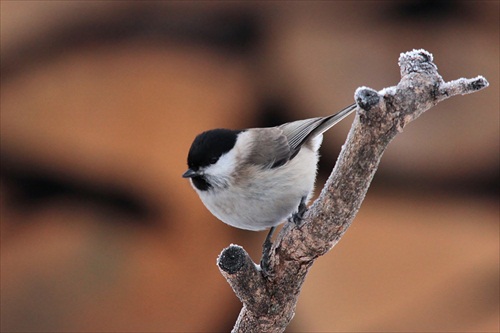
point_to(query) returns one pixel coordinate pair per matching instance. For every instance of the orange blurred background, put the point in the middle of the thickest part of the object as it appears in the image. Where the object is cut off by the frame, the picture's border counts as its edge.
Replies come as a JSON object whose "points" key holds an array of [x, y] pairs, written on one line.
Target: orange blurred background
{"points": [[100, 102]]}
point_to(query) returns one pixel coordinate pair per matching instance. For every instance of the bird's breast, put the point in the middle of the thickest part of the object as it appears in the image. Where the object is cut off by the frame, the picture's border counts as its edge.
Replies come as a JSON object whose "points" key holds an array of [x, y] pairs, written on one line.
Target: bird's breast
{"points": [[263, 198]]}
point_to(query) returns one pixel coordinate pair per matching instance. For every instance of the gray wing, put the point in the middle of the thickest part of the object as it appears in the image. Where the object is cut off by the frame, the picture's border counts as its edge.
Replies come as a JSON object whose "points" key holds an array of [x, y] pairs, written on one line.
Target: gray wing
{"points": [[270, 148], [298, 132], [273, 147]]}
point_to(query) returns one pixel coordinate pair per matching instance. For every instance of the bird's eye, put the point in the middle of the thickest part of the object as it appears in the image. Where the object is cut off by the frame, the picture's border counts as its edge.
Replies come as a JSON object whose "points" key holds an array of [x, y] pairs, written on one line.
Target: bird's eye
{"points": [[213, 160]]}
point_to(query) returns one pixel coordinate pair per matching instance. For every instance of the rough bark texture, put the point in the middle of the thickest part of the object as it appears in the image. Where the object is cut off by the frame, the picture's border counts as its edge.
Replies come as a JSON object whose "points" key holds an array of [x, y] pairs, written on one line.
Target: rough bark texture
{"points": [[269, 303]]}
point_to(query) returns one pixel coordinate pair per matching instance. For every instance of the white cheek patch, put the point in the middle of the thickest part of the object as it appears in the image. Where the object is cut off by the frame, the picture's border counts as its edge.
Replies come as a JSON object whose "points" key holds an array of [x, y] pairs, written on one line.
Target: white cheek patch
{"points": [[219, 174]]}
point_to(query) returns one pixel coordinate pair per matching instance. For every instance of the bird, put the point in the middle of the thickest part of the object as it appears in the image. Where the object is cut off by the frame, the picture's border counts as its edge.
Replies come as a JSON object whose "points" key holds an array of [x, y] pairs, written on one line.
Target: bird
{"points": [[257, 178]]}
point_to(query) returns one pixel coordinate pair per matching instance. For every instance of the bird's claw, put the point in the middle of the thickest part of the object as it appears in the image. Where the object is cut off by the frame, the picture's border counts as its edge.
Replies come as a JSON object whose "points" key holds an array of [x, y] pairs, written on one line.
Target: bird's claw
{"points": [[298, 217], [266, 254]]}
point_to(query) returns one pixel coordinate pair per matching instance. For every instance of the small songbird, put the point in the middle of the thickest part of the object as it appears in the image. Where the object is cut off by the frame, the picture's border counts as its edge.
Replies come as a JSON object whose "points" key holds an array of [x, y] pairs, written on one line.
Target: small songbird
{"points": [[256, 178]]}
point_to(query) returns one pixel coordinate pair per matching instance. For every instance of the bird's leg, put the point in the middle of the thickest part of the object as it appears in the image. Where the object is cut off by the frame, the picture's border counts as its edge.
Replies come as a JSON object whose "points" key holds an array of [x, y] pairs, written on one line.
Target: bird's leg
{"points": [[297, 217], [266, 252]]}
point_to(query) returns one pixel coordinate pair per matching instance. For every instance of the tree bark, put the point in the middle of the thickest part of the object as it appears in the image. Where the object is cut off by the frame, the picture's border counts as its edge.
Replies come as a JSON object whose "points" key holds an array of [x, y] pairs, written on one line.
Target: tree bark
{"points": [[269, 302]]}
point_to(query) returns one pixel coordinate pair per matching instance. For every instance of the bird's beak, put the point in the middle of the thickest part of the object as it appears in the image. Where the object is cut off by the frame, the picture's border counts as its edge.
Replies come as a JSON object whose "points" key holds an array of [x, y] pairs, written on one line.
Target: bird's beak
{"points": [[189, 174]]}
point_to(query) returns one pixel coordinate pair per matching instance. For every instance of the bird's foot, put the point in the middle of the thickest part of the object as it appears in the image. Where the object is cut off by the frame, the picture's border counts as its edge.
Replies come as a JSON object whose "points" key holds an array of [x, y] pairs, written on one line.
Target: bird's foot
{"points": [[298, 217], [266, 253]]}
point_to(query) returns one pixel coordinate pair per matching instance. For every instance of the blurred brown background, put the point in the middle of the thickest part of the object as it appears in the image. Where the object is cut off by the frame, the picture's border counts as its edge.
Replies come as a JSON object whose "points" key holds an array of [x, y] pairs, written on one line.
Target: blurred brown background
{"points": [[100, 102]]}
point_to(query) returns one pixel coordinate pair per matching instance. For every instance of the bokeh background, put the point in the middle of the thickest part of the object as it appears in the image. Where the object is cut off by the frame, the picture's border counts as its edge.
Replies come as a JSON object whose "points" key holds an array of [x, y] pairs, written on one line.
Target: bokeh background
{"points": [[100, 102]]}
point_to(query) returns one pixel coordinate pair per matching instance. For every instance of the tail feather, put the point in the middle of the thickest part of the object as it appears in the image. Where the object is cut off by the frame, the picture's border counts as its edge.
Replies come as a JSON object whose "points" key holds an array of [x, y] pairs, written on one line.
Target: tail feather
{"points": [[300, 131], [330, 121]]}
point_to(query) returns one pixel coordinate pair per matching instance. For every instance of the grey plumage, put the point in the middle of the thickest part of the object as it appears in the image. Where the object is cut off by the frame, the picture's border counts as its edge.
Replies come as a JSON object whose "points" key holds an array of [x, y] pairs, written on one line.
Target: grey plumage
{"points": [[275, 146]]}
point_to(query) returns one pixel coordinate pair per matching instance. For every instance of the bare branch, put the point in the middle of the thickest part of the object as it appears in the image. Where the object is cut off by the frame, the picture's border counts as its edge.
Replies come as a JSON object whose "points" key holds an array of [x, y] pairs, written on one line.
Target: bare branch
{"points": [[269, 303]]}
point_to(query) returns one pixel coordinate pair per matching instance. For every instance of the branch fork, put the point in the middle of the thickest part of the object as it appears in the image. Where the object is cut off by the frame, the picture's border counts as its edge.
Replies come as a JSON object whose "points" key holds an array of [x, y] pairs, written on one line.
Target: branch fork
{"points": [[269, 303]]}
